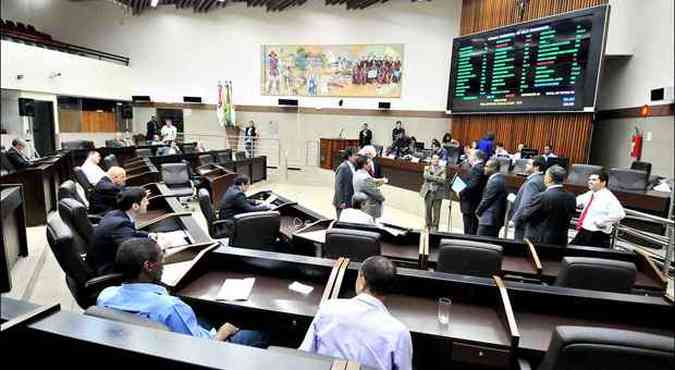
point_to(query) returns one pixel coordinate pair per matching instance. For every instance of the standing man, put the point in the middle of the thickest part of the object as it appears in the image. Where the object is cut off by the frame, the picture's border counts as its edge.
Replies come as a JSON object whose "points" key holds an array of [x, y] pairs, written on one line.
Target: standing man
{"points": [[398, 132], [492, 207], [433, 191], [531, 187], [549, 213], [249, 138], [365, 136], [472, 193], [601, 209], [168, 132], [16, 156], [361, 329], [487, 144], [151, 128], [344, 187]]}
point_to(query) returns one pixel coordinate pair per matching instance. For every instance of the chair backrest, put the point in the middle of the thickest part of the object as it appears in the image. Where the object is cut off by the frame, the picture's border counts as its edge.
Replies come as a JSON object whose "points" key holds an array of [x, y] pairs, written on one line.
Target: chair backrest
{"points": [[504, 164], [125, 317], [205, 159], [356, 245], [68, 189], [77, 144], [453, 153], [175, 174], [596, 274], [110, 160], [206, 206], [82, 179], [627, 180], [579, 173], [189, 148], [469, 258], [642, 166], [69, 254], [144, 152], [225, 156], [74, 215], [5, 164], [110, 143], [256, 230], [592, 348], [240, 156], [520, 165]]}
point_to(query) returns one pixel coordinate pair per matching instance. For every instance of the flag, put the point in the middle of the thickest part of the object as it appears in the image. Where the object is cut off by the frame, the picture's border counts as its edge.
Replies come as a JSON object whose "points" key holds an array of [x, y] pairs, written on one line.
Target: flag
{"points": [[225, 108]]}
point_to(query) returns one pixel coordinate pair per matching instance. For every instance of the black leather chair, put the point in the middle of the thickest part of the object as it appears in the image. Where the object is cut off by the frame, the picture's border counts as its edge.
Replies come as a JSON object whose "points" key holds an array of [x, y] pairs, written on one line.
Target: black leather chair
{"points": [[218, 229], [74, 215], [469, 258], [642, 166], [110, 160], [205, 159], [579, 173], [593, 348], [77, 144], [356, 245], [453, 153], [240, 156], [256, 230], [125, 317], [68, 189], [225, 156], [81, 179], [176, 176], [144, 152], [71, 254], [5, 165], [625, 179], [596, 274]]}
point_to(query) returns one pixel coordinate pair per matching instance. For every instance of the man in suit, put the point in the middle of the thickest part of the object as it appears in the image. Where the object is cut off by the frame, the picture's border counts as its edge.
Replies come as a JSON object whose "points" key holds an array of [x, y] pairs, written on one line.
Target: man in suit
{"points": [[492, 208], [16, 156], [364, 183], [365, 136], [434, 190], [549, 213], [344, 188], [104, 198], [472, 193], [531, 187], [249, 139], [117, 227], [152, 129], [234, 200]]}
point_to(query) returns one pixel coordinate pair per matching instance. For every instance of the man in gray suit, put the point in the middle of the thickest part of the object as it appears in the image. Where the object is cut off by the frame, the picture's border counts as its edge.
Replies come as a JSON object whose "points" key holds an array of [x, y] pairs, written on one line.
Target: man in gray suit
{"points": [[531, 187], [344, 188], [364, 183], [434, 190], [492, 207]]}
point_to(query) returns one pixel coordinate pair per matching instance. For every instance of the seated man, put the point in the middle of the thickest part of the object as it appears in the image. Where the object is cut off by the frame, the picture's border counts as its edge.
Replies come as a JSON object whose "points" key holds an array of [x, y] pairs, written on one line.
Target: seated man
{"points": [[361, 329], [355, 215], [140, 261], [117, 227], [16, 155], [104, 198], [91, 169], [234, 200]]}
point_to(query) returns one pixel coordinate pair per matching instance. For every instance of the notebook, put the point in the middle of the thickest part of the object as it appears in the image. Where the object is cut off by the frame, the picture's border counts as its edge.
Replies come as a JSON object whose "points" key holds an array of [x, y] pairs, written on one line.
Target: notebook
{"points": [[235, 289]]}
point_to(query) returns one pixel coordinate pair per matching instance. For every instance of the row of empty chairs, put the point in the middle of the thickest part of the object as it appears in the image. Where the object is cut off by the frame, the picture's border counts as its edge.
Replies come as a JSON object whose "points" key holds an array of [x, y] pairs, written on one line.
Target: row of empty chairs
{"points": [[11, 27]]}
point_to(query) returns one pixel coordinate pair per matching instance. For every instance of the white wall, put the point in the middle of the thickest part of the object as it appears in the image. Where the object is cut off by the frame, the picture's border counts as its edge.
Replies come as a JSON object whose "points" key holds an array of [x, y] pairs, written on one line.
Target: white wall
{"points": [[176, 52], [627, 81]]}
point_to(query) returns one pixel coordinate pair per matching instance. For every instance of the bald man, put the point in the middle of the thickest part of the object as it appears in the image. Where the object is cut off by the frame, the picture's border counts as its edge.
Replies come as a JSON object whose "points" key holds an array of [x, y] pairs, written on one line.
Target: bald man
{"points": [[104, 198]]}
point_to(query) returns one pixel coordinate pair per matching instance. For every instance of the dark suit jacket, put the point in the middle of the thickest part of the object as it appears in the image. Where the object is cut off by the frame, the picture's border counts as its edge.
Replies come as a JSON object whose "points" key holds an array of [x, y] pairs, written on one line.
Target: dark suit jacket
{"points": [[152, 129], [344, 187], [472, 194], [377, 169], [492, 207], [548, 216], [115, 228], [234, 202], [104, 197], [16, 159], [531, 187], [365, 137]]}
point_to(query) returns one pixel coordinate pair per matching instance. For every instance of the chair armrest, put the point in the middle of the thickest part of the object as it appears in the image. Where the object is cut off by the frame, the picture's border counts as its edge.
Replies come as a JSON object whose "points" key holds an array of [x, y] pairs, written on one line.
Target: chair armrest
{"points": [[220, 222], [284, 205], [100, 282], [95, 219], [522, 364], [162, 218]]}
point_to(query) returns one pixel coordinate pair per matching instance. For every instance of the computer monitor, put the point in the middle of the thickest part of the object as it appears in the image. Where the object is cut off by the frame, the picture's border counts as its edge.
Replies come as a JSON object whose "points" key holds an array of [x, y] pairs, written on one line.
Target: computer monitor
{"points": [[625, 179], [528, 153]]}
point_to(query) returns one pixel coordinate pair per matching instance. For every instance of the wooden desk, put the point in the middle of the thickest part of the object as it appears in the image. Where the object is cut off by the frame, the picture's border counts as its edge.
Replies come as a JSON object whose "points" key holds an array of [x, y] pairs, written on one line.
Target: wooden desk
{"points": [[14, 242], [293, 216], [329, 149]]}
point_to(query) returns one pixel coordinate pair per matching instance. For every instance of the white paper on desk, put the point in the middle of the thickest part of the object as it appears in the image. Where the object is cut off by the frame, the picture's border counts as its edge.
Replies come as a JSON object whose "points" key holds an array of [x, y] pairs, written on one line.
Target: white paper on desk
{"points": [[235, 289], [300, 288], [173, 239], [458, 185]]}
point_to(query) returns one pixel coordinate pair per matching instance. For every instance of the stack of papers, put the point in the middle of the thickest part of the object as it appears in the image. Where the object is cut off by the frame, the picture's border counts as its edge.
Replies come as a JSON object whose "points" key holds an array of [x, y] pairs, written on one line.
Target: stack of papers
{"points": [[173, 239], [458, 185], [301, 288], [235, 289]]}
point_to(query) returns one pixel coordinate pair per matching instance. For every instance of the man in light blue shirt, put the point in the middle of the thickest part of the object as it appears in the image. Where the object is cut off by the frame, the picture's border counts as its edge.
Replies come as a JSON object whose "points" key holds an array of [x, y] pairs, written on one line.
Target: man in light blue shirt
{"points": [[361, 329], [140, 261]]}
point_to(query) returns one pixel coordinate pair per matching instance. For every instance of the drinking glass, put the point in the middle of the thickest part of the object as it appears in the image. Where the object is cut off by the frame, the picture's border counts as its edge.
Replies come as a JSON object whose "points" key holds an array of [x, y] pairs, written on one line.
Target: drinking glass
{"points": [[444, 310]]}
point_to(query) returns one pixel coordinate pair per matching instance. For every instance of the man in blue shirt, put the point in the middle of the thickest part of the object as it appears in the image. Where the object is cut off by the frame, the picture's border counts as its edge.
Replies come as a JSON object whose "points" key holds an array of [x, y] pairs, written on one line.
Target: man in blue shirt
{"points": [[487, 144], [140, 261], [361, 329]]}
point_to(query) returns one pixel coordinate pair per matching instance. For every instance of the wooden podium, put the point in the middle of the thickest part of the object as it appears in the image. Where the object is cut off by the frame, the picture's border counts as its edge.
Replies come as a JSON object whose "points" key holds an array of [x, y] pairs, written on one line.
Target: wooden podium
{"points": [[329, 148]]}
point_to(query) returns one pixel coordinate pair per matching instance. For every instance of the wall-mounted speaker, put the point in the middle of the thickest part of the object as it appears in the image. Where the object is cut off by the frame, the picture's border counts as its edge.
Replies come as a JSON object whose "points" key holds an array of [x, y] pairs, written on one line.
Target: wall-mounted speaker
{"points": [[289, 102], [127, 111], [192, 99], [140, 98], [26, 107], [384, 105]]}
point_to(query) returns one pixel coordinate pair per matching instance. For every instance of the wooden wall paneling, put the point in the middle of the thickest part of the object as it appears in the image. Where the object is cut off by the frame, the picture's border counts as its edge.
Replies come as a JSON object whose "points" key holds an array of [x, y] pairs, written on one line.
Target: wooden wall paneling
{"points": [[69, 120], [98, 122]]}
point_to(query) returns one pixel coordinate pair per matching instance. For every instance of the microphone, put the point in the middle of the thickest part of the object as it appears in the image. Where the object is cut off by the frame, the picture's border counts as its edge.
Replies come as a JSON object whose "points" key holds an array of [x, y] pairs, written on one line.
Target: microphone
{"points": [[341, 131]]}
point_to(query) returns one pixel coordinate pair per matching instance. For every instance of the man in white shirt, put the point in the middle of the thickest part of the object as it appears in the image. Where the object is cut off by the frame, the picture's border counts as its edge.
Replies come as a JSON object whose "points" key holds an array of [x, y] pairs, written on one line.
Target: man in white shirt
{"points": [[601, 210], [548, 152], [355, 215], [168, 132], [91, 169], [361, 329]]}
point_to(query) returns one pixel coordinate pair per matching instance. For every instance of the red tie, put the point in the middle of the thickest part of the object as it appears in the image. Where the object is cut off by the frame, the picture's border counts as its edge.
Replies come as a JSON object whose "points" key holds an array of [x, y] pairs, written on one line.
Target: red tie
{"points": [[583, 214]]}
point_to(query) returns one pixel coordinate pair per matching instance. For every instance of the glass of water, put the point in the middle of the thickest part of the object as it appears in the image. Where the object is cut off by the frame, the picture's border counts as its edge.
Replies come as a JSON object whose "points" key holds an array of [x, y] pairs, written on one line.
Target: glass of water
{"points": [[444, 310]]}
